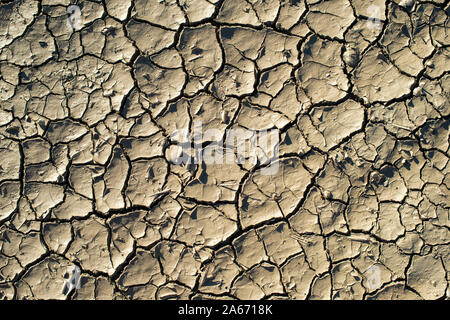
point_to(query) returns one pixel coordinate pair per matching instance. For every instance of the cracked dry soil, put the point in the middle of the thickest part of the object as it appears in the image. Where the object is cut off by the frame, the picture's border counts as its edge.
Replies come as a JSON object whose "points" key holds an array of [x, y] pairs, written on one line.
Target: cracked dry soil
{"points": [[359, 208]]}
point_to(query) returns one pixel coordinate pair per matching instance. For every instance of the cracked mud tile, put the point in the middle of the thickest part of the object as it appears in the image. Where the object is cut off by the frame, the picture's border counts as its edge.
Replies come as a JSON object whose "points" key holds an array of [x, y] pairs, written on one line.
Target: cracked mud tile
{"points": [[264, 198], [258, 282], [90, 247], [338, 14], [201, 54], [322, 76], [204, 226], [219, 274], [297, 277], [44, 280]]}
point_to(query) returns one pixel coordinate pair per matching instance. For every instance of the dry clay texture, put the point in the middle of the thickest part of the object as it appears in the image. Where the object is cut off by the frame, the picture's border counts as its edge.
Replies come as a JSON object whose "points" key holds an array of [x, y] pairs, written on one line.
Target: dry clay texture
{"points": [[359, 206]]}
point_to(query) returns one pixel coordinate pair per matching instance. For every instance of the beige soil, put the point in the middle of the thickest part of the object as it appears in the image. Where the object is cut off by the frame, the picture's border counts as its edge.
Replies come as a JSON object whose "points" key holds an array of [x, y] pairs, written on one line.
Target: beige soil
{"points": [[358, 209]]}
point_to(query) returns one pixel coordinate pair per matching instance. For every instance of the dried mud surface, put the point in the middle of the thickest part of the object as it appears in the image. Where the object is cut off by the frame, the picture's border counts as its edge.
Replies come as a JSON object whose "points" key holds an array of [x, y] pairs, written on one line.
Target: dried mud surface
{"points": [[361, 105]]}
